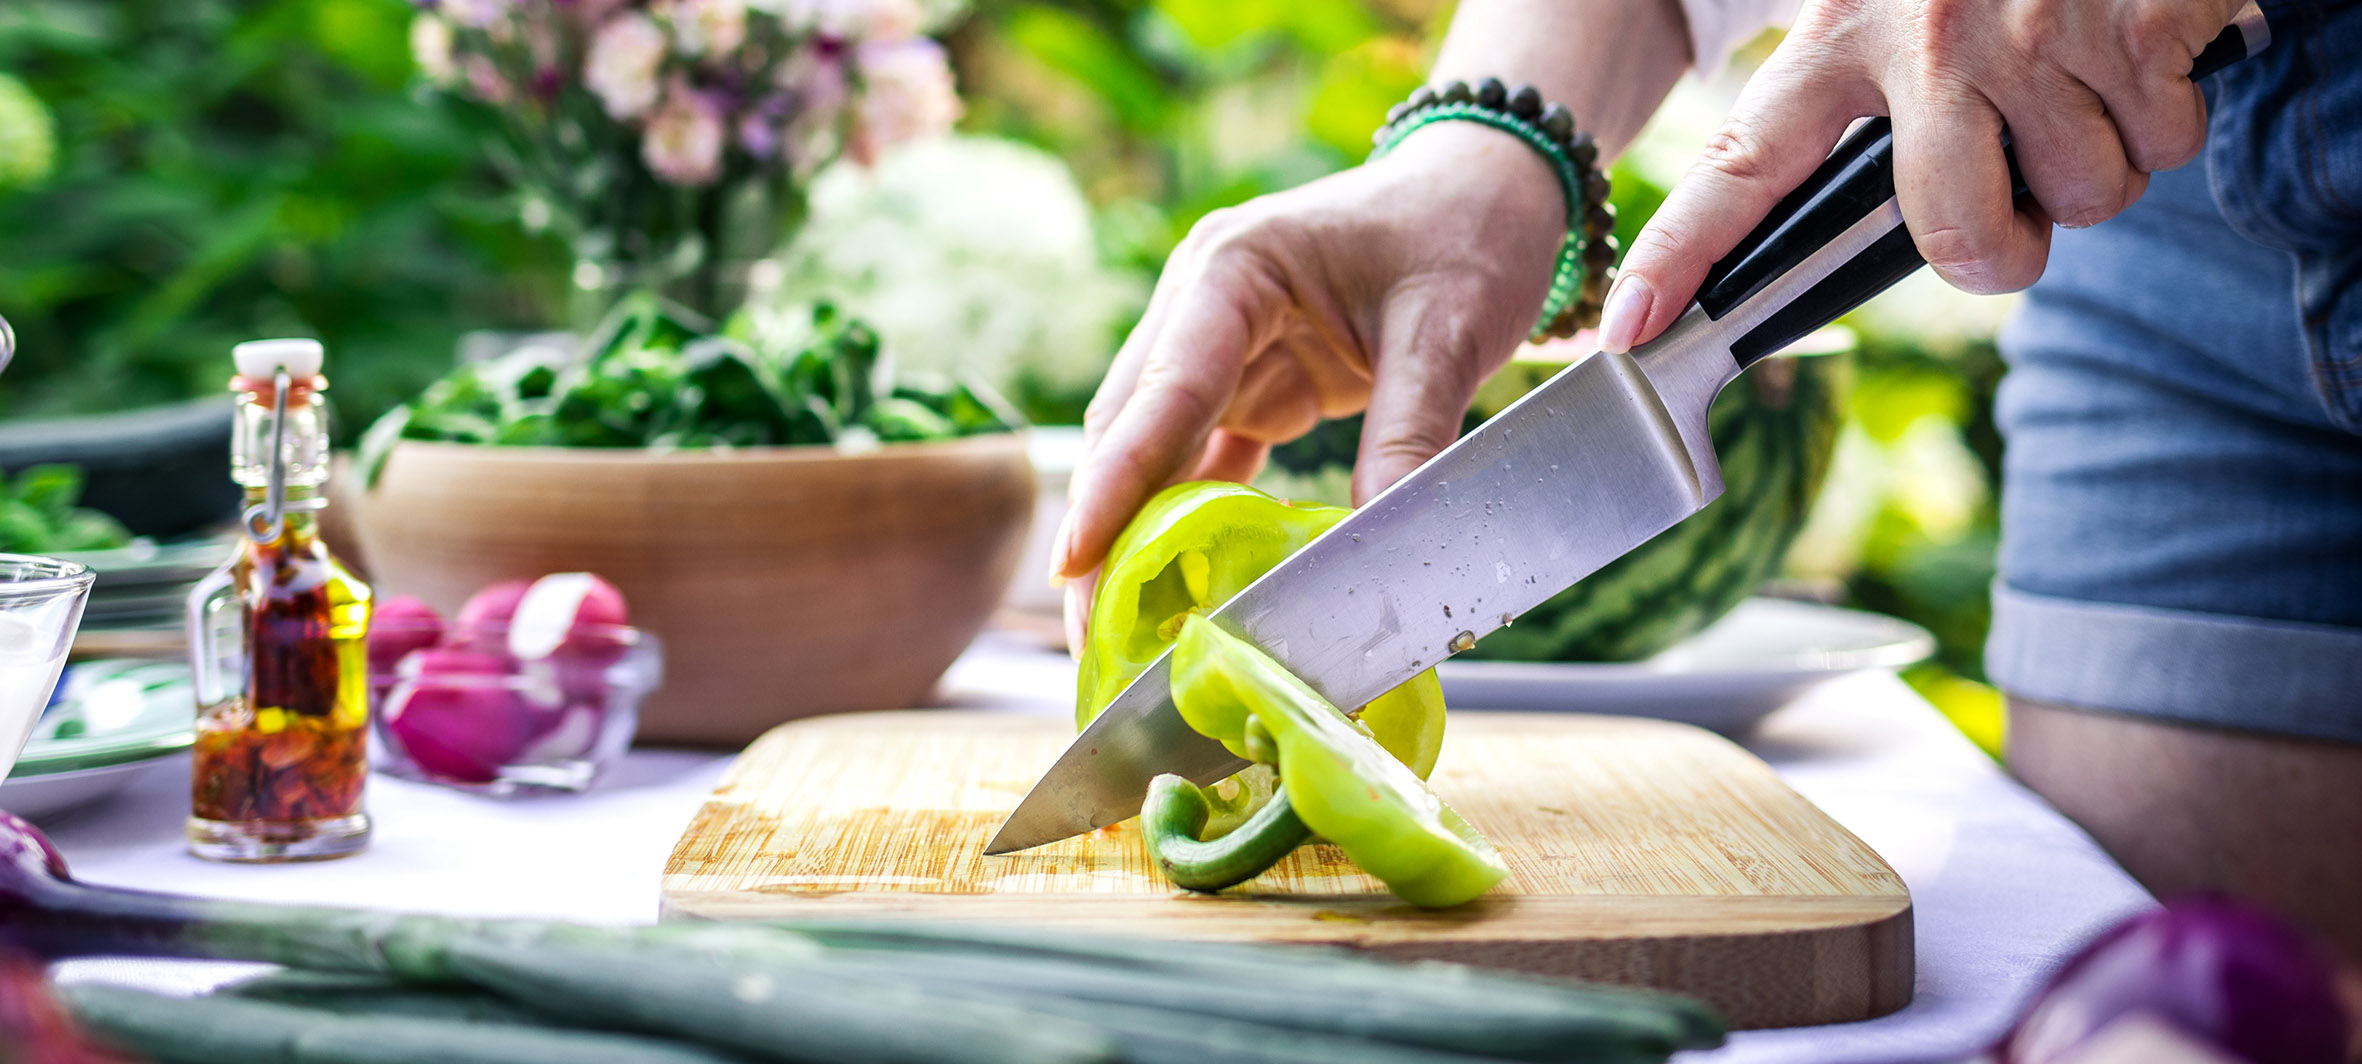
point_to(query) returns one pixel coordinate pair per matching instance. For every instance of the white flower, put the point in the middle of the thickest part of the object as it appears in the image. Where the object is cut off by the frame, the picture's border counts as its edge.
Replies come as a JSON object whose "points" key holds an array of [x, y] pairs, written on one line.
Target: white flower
{"points": [[430, 45], [710, 27], [683, 143], [967, 255], [795, 16], [625, 58], [906, 94]]}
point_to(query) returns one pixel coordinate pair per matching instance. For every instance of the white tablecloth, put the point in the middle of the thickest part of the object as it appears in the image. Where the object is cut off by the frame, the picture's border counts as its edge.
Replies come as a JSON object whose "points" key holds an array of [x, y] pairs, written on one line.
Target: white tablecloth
{"points": [[2002, 886]]}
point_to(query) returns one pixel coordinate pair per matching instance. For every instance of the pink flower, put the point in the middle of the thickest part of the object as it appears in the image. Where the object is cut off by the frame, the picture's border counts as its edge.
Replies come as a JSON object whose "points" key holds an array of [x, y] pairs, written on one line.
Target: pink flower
{"points": [[625, 58], [883, 21], [814, 81], [759, 127], [485, 79], [683, 143], [906, 94], [475, 14]]}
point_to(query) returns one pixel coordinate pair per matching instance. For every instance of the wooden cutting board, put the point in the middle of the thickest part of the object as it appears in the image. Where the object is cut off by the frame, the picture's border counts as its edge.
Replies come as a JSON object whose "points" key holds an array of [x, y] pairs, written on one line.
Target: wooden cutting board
{"points": [[1640, 852]]}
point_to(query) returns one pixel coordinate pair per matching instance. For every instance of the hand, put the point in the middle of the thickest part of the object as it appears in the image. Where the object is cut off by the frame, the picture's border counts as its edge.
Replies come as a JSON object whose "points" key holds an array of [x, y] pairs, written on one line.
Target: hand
{"points": [[1394, 288], [2095, 93]]}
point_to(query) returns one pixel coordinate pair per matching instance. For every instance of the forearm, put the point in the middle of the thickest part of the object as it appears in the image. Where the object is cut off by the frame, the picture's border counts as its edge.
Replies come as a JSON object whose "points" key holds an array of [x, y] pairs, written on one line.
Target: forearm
{"points": [[1609, 61]]}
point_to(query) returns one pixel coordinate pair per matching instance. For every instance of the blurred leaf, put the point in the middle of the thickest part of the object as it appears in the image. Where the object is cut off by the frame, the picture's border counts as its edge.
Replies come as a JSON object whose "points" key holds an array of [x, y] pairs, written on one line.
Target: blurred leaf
{"points": [[1356, 87], [1888, 403], [1976, 709], [1080, 50]]}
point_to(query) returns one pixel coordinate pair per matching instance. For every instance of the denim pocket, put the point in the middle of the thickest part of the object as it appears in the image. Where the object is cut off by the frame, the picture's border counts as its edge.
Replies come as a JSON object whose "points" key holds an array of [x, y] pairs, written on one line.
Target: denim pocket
{"points": [[2284, 150]]}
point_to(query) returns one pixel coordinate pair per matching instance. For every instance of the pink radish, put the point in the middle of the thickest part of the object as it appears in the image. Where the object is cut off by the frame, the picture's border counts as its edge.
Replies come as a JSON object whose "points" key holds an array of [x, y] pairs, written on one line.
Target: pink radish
{"points": [[454, 716]]}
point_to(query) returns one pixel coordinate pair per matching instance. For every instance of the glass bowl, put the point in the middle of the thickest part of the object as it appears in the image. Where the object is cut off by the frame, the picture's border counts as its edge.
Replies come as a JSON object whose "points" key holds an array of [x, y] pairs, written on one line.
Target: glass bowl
{"points": [[40, 607], [502, 712]]}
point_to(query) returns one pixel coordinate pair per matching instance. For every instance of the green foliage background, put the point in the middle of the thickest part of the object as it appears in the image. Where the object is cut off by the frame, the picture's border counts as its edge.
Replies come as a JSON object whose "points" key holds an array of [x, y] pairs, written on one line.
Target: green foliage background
{"points": [[225, 169]]}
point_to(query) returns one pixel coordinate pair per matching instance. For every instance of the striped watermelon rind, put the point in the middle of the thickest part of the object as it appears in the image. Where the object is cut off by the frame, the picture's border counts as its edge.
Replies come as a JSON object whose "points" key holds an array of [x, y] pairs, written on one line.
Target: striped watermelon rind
{"points": [[1774, 430]]}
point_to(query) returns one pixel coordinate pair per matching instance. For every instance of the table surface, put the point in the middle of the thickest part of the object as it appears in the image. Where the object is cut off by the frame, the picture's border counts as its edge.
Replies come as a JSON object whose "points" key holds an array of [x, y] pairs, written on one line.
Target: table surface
{"points": [[2003, 887]]}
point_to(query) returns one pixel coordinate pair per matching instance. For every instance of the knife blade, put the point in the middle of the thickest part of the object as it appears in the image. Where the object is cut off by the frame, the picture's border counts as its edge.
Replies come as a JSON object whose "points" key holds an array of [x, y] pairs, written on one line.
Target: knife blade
{"points": [[1599, 459]]}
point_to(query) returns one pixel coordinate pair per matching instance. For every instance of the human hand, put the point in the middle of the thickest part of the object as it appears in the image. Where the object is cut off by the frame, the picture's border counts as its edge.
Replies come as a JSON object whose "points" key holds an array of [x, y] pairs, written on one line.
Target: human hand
{"points": [[2095, 93], [1394, 288]]}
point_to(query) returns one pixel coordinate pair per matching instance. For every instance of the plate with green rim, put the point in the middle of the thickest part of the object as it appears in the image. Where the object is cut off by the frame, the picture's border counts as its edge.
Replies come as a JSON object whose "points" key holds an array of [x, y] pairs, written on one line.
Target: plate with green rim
{"points": [[109, 719]]}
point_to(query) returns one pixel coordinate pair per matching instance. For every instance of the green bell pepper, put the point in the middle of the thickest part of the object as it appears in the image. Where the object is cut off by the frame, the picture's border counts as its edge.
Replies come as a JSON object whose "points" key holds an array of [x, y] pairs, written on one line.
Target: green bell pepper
{"points": [[1333, 773], [1190, 549]]}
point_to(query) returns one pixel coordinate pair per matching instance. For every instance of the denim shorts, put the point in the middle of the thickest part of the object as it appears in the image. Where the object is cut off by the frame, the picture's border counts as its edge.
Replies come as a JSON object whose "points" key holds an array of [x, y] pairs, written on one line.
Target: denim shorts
{"points": [[2182, 483]]}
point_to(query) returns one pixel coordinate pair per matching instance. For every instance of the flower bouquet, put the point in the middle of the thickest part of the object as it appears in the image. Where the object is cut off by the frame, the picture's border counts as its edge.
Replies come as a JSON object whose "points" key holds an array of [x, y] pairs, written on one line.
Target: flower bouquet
{"points": [[669, 141]]}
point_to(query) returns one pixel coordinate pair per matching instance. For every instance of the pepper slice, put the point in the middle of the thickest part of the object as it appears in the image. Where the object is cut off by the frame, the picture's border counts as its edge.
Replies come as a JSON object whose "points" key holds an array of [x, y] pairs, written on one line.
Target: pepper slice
{"points": [[1190, 549], [1341, 783]]}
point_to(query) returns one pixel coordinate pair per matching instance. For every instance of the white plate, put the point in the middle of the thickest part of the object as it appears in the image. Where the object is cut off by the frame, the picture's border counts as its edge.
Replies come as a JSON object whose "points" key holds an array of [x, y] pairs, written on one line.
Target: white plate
{"points": [[109, 721], [38, 798], [1759, 657]]}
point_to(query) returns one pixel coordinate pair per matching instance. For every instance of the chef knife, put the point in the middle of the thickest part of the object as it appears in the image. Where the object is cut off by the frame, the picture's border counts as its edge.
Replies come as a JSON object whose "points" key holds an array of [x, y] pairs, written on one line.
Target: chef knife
{"points": [[1596, 461]]}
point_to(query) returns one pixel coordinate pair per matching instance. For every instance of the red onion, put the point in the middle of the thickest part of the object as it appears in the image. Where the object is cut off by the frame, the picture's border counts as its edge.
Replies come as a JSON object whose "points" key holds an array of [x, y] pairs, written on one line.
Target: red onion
{"points": [[493, 606], [454, 715], [568, 621], [398, 626], [2223, 972], [34, 1029], [567, 734]]}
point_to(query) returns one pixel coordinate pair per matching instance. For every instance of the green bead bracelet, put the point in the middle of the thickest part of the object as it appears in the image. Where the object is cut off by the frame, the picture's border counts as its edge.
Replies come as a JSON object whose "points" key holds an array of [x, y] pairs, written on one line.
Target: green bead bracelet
{"points": [[1578, 282]]}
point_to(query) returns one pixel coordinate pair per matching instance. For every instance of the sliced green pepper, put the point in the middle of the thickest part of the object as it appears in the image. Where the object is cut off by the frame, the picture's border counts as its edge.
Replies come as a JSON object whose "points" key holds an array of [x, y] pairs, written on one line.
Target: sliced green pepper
{"points": [[1175, 817], [1339, 780], [1190, 549]]}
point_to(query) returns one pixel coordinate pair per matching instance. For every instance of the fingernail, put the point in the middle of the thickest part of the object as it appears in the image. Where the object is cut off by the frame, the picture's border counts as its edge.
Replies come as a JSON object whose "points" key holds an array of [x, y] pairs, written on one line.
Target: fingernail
{"points": [[1058, 548], [1626, 311], [1076, 623]]}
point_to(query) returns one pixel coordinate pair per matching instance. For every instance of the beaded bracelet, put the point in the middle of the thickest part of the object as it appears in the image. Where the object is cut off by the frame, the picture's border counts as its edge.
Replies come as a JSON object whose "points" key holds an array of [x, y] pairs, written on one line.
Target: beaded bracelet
{"points": [[1586, 260]]}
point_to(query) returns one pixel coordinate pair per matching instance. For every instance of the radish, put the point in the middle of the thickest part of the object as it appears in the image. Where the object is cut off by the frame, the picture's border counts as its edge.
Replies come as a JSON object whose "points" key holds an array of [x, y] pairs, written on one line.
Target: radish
{"points": [[564, 630], [398, 626], [453, 715], [492, 606]]}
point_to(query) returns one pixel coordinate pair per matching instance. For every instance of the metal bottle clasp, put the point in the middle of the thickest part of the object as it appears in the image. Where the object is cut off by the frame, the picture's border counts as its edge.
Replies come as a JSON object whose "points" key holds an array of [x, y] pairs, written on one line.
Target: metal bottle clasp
{"points": [[265, 522]]}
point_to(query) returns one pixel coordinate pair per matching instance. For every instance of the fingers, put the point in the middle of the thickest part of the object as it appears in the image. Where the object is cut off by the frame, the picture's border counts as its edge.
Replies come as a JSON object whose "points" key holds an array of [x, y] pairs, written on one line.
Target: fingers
{"points": [[1952, 183], [1430, 361], [1230, 456], [2071, 156], [2142, 72], [1782, 126], [1187, 376], [2163, 125]]}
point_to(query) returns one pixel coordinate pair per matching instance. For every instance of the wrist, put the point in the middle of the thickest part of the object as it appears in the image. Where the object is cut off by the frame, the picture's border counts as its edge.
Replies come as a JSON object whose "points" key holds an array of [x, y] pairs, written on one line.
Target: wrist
{"points": [[1495, 167]]}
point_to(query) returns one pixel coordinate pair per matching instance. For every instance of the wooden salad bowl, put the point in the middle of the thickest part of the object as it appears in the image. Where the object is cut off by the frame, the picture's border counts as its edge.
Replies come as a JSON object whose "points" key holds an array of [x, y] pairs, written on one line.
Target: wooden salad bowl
{"points": [[782, 581]]}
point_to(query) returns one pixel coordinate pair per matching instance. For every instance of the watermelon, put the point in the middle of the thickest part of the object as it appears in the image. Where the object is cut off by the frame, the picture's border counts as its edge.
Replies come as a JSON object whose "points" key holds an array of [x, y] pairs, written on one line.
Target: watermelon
{"points": [[1773, 428]]}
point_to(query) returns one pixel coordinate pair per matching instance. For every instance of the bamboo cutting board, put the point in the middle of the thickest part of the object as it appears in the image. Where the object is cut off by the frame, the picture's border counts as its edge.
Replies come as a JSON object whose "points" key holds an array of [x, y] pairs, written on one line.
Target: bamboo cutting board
{"points": [[1640, 852]]}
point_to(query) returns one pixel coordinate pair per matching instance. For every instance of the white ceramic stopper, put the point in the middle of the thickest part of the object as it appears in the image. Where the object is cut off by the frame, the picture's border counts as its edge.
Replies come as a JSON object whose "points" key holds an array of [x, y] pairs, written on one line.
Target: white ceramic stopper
{"points": [[258, 359]]}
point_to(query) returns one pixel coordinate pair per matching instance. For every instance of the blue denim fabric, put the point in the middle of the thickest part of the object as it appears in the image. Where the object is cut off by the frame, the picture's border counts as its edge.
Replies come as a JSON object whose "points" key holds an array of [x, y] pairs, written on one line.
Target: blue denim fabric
{"points": [[2182, 494]]}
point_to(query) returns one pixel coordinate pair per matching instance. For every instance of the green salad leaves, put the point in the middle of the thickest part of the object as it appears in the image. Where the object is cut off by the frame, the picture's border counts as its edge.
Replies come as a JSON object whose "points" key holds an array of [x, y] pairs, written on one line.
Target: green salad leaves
{"points": [[39, 515], [649, 376]]}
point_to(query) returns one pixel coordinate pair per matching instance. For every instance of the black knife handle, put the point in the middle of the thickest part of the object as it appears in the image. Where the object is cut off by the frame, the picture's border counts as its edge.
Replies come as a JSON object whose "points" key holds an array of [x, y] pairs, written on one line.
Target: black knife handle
{"points": [[1856, 179]]}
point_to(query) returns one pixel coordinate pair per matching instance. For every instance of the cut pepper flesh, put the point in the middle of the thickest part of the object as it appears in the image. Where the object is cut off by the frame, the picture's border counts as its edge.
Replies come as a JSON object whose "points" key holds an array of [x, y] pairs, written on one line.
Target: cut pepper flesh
{"points": [[1343, 785], [1190, 549]]}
